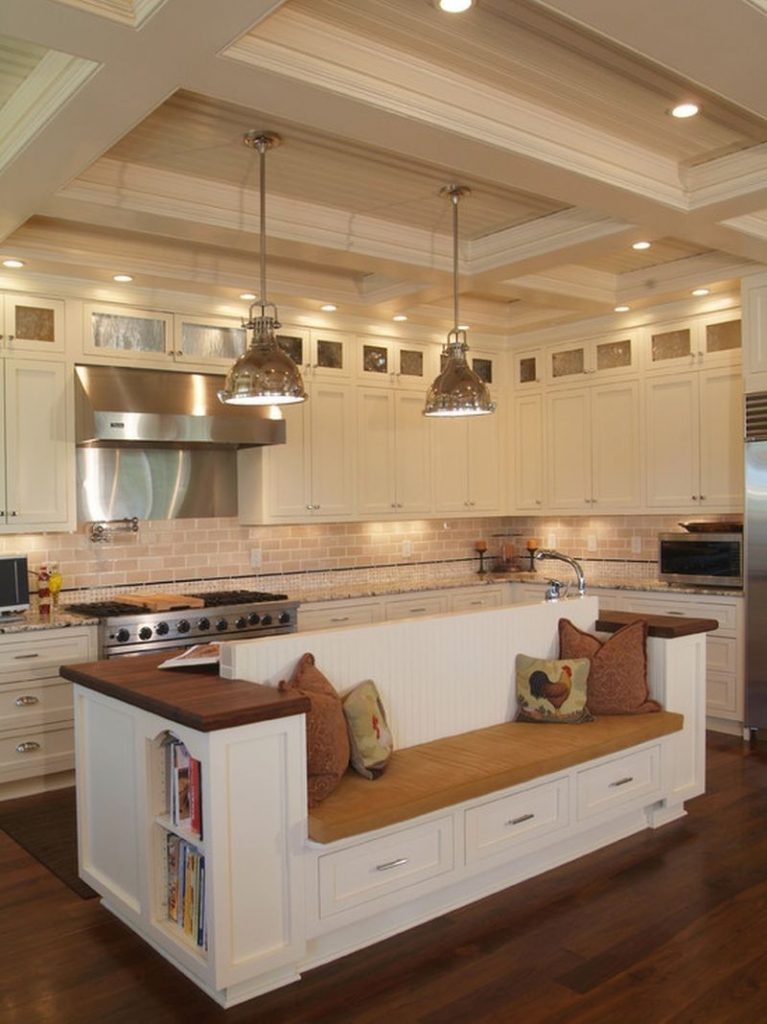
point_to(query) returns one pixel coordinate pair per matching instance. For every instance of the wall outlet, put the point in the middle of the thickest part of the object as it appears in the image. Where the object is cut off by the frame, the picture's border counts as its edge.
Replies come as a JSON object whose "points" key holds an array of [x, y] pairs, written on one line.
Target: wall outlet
{"points": [[591, 542], [636, 545], [255, 558], [407, 548]]}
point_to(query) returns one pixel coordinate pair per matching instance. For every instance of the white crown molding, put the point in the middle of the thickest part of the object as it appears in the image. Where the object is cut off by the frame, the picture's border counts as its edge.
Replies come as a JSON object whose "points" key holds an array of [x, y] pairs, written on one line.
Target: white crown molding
{"points": [[727, 178], [538, 237], [52, 82], [127, 12], [418, 90], [753, 224]]}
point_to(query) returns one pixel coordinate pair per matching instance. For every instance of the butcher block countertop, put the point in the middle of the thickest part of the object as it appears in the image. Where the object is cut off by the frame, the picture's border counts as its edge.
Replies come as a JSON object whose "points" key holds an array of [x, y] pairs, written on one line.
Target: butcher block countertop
{"points": [[195, 696], [667, 627]]}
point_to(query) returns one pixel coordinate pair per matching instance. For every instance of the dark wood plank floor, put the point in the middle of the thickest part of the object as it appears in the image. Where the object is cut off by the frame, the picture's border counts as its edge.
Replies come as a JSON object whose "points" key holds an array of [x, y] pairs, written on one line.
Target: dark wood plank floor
{"points": [[667, 926]]}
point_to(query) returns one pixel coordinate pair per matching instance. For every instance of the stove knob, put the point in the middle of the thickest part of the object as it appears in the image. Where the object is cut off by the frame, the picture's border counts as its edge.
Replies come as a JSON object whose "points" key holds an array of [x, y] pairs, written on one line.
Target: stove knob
{"points": [[145, 633], [266, 620], [241, 623], [254, 619], [203, 624], [162, 628], [123, 635], [221, 625], [183, 626], [284, 618]]}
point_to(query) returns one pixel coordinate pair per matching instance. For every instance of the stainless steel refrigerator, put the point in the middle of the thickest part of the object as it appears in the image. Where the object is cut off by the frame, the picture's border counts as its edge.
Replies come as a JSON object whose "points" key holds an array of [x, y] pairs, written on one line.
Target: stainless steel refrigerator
{"points": [[755, 561]]}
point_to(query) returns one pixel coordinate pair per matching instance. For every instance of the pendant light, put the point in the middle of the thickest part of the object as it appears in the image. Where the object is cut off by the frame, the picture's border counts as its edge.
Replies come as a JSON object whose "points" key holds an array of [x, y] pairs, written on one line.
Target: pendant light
{"points": [[457, 390], [264, 374]]}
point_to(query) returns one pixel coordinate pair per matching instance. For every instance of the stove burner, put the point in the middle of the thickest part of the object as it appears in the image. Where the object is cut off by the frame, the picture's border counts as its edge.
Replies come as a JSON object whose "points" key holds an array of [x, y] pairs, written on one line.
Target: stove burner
{"points": [[214, 598], [106, 609]]}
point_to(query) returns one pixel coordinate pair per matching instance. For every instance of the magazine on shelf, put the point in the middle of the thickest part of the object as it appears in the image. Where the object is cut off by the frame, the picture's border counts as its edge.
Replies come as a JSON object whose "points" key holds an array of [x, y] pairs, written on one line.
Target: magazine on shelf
{"points": [[200, 654]]}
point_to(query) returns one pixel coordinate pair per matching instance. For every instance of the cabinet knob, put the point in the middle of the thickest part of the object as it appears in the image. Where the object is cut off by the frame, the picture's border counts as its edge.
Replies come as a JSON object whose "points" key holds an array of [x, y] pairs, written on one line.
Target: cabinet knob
{"points": [[702, 497], [694, 497], [14, 513], [309, 508], [27, 747], [538, 501]]}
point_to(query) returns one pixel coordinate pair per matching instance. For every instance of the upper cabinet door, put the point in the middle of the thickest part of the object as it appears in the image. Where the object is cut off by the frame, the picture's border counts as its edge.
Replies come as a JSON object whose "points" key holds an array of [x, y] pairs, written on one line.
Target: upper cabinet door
{"points": [[721, 440], [614, 355], [528, 370], [122, 332], [527, 446], [214, 341], [412, 466], [671, 439], [615, 454], [32, 324], [332, 355], [333, 447], [720, 340], [568, 451], [670, 346]]}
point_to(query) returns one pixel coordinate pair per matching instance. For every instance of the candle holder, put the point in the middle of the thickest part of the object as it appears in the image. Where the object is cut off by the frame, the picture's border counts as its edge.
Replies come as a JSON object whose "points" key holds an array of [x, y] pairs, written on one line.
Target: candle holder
{"points": [[481, 548], [531, 553]]}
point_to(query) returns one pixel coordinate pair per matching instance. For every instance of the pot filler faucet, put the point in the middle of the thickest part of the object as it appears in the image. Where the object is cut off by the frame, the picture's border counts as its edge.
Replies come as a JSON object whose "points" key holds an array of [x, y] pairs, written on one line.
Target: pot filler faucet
{"points": [[542, 553]]}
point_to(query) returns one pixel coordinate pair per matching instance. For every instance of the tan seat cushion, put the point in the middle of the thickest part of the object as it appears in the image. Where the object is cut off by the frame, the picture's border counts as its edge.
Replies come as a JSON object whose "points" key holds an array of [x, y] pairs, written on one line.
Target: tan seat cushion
{"points": [[434, 775]]}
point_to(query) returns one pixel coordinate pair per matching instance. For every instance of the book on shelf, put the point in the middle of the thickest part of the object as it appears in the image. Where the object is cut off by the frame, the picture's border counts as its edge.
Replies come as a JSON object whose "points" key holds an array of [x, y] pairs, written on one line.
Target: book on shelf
{"points": [[185, 871], [184, 795], [199, 654], [180, 786]]}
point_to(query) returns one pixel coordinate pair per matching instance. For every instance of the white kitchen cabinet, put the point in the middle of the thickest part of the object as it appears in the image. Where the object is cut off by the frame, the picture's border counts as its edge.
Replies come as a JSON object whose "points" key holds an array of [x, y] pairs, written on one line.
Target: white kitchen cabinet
{"points": [[593, 457], [311, 476], [319, 353], [30, 323], [700, 342], [527, 370], [527, 445], [393, 455], [36, 736], [208, 341], [694, 440], [614, 355], [754, 290], [337, 614], [389, 362], [36, 447], [144, 337], [466, 461]]}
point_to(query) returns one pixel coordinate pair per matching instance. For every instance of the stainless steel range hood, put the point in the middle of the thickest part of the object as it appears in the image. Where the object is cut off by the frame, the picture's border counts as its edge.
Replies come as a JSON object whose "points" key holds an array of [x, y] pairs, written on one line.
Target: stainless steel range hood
{"points": [[117, 407]]}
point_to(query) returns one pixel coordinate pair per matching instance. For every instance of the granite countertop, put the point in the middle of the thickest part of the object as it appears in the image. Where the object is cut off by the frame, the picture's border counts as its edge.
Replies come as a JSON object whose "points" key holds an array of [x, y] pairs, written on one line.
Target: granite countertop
{"points": [[31, 621]]}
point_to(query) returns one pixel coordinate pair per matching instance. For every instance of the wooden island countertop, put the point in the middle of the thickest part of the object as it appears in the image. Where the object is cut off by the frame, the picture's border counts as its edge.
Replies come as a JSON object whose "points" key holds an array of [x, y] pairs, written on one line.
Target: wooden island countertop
{"points": [[667, 627], [194, 696]]}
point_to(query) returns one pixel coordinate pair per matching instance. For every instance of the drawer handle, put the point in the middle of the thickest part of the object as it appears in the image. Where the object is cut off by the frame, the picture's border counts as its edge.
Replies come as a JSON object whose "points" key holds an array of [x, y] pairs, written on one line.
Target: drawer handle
{"points": [[25, 701], [392, 864], [341, 618], [23, 657], [675, 613], [520, 819], [27, 747], [413, 611], [622, 782]]}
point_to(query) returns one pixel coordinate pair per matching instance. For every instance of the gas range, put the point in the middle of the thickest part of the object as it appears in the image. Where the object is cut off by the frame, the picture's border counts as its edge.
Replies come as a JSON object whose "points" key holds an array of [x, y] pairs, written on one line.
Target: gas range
{"points": [[186, 619]]}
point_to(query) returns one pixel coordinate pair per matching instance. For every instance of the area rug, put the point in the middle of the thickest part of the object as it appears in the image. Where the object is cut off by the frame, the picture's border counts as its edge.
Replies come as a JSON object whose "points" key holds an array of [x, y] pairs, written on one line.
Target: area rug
{"points": [[46, 826]]}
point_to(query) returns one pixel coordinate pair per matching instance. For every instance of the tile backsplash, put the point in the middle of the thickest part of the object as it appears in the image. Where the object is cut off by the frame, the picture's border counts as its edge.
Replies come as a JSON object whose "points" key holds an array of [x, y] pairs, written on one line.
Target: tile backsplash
{"points": [[170, 551]]}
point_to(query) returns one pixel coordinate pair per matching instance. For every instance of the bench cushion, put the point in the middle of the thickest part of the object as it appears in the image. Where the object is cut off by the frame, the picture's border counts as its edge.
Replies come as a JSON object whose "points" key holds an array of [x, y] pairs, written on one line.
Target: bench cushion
{"points": [[431, 776]]}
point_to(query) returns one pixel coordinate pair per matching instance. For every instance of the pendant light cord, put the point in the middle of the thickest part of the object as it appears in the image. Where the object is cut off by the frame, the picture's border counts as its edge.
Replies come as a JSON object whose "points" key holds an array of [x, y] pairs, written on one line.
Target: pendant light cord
{"points": [[262, 147], [454, 197]]}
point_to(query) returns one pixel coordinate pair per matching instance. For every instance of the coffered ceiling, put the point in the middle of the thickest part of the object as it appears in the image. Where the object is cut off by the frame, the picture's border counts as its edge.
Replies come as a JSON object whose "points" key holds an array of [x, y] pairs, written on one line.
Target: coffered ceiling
{"points": [[121, 126]]}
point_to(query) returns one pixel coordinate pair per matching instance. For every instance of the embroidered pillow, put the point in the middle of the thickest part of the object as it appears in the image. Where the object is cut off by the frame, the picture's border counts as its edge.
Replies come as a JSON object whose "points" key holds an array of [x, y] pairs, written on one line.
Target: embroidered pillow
{"points": [[618, 677], [552, 691], [370, 739], [327, 742]]}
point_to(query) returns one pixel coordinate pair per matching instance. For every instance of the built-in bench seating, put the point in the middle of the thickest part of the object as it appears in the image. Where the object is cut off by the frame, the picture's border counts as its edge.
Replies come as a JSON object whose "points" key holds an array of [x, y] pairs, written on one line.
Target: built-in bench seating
{"points": [[435, 775]]}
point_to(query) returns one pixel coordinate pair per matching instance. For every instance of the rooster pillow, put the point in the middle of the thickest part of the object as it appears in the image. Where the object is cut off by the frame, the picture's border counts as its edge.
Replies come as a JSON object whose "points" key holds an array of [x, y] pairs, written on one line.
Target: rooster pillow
{"points": [[552, 691]]}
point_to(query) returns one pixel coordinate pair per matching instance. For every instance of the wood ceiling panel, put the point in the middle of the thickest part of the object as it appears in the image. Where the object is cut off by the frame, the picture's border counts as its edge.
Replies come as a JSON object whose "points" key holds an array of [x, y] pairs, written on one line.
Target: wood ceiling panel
{"points": [[17, 61], [664, 250]]}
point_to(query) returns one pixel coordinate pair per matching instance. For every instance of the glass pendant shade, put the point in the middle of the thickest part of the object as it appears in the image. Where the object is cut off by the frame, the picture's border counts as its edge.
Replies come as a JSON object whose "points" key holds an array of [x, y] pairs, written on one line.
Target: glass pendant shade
{"points": [[264, 374], [457, 390]]}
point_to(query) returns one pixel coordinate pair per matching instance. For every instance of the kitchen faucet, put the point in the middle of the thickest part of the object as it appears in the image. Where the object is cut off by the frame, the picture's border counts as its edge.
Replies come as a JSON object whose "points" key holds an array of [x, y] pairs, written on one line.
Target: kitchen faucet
{"points": [[545, 553]]}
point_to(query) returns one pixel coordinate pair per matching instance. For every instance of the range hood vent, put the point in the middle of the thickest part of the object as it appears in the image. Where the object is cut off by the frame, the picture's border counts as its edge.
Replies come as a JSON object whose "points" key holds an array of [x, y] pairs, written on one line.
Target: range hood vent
{"points": [[116, 407]]}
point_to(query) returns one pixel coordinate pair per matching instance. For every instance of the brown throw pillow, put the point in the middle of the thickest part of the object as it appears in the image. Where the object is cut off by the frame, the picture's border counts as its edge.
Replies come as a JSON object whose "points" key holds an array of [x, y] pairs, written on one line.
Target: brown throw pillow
{"points": [[327, 741], [618, 677]]}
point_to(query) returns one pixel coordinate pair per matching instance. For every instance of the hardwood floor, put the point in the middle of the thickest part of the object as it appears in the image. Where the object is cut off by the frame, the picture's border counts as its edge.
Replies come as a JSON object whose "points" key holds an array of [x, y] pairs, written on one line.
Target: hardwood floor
{"points": [[667, 926]]}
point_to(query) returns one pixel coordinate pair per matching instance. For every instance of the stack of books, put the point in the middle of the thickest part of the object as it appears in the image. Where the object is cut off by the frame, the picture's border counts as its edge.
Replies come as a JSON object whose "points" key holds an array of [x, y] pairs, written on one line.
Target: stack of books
{"points": [[185, 789], [186, 888]]}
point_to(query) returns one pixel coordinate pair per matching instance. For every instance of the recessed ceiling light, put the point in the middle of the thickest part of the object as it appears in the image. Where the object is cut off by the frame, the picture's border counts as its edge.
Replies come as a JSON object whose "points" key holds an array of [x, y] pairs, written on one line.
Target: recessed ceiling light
{"points": [[685, 110], [701, 291], [641, 245], [400, 318], [328, 308], [248, 297], [13, 264], [454, 6], [621, 309], [122, 278]]}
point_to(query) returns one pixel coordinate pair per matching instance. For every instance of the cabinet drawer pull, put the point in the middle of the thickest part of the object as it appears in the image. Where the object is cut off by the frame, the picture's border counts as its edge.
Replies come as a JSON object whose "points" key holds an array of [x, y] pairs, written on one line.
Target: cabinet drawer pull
{"points": [[414, 611], [23, 657], [622, 782], [520, 819], [27, 747], [340, 618], [392, 864], [25, 701]]}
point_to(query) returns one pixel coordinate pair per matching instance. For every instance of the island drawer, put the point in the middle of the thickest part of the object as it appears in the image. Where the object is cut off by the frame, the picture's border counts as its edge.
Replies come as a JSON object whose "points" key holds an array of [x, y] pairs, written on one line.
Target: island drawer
{"points": [[496, 826], [622, 780]]}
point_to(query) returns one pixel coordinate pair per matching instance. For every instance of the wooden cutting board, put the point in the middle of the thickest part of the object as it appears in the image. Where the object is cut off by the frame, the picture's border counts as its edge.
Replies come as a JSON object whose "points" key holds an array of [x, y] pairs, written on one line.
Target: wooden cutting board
{"points": [[163, 602]]}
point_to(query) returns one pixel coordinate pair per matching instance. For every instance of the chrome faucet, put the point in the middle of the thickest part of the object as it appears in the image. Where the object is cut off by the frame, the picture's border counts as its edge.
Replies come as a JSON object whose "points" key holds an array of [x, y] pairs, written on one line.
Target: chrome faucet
{"points": [[544, 553]]}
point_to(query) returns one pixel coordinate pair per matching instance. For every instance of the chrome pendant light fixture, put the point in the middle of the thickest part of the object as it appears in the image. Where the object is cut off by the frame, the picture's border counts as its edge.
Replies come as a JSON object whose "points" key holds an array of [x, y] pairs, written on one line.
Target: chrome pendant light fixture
{"points": [[457, 390], [264, 374]]}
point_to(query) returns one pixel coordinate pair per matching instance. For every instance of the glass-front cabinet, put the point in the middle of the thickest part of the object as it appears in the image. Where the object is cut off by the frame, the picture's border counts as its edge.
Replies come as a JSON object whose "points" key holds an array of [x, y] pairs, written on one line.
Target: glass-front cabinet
{"points": [[528, 370], [124, 332], [31, 324], [387, 362], [318, 353], [209, 340], [613, 355], [711, 340]]}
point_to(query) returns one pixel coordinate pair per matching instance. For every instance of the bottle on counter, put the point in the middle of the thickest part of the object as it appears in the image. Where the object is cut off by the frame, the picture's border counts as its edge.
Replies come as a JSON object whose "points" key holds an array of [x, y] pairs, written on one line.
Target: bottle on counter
{"points": [[44, 592]]}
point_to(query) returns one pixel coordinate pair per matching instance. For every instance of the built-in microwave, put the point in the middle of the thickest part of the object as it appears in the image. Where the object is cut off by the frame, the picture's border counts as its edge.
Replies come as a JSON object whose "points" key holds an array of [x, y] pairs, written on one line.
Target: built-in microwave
{"points": [[702, 559], [14, 584]]}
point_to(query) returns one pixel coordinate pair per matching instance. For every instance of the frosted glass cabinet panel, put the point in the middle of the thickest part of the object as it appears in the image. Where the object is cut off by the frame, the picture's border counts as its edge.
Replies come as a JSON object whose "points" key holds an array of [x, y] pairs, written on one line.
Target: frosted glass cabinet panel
{"points": [[613, 355], [387, 362], [125, 333], [209, 340], [31, 324]]}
